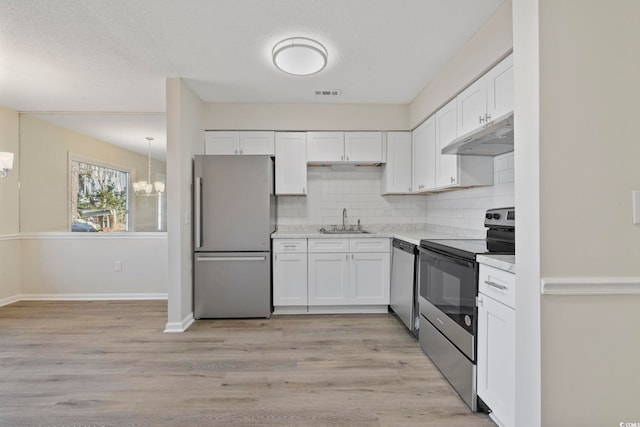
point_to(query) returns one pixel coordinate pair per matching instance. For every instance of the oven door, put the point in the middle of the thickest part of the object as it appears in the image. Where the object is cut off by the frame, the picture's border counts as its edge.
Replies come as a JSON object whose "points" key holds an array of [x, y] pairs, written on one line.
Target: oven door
{"points": [[448, 290]]}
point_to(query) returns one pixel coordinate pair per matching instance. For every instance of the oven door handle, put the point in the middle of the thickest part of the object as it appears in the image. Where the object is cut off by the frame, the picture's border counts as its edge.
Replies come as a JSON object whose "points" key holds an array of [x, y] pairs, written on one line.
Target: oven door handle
{"points": [[495, 285]]}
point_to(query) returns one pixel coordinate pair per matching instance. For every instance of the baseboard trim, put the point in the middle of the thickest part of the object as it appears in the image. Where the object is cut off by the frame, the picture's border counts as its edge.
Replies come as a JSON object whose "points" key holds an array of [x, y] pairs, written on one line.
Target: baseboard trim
{"points": [[347, 309], [590, 285], [9, 300], [92, 297], [177, 327]]}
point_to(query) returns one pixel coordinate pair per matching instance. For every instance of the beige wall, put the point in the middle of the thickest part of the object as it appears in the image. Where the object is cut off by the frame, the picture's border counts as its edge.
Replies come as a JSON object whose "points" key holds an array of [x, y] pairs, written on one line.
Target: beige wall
{"points": [[490, 44], [44, 149], [589, 151], [185, 136], [9, 210], [306, 117]]}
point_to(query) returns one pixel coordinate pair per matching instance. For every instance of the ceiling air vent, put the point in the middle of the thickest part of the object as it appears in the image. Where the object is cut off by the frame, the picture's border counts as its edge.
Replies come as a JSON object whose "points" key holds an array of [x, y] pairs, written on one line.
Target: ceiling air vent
{"points": [[328, 92]]}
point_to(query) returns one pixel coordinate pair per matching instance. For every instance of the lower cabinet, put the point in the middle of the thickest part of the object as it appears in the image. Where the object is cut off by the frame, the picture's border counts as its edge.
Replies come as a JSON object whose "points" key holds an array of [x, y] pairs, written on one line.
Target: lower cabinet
{"points": [[340, 275], [497, 344], [290, 274]]}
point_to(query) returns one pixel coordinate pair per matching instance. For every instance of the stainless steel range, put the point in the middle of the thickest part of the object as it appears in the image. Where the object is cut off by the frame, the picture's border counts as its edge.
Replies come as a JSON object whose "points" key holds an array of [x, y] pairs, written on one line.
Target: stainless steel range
{"points": [[448, 289]]}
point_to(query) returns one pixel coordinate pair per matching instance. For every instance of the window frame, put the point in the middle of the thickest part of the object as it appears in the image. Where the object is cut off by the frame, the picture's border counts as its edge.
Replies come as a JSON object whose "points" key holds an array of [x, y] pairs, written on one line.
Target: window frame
{"points": [[130, 207]]}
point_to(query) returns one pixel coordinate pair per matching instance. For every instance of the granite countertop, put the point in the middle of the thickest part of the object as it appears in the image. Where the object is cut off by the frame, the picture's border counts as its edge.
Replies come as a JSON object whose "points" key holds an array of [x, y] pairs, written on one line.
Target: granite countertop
{"points": [[409, 233], [502, 262]]}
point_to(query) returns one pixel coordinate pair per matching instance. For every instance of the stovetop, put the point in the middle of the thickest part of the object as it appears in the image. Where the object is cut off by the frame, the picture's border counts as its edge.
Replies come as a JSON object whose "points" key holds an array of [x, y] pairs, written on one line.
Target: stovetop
{"points": [[467, 248]]}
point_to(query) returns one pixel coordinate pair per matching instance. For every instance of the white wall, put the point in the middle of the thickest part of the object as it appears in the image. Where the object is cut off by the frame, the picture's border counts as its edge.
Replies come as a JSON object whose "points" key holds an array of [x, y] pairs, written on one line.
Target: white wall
{"points": [[488, 45], [589, 151], [465, 209], [81, 265], [44, 174], [9, 210], [358, 190], [527, 185], [185, 138], [306, 117]]}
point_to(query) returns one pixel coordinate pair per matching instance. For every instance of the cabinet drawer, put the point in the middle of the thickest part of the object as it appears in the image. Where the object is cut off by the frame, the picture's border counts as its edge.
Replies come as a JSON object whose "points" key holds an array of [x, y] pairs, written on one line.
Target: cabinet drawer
{"points": [[328, 245], [289, 245], [498, 284], [369, 245]]}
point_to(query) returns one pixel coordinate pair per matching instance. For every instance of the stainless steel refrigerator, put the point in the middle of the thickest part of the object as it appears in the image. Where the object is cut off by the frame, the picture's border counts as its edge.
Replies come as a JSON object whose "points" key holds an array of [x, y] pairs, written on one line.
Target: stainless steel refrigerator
{"points": [[234, 216]]}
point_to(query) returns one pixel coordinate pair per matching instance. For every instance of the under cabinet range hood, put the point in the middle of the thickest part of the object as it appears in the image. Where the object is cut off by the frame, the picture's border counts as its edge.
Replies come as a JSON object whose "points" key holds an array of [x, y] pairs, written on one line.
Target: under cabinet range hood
{"points": [[495, 138]]}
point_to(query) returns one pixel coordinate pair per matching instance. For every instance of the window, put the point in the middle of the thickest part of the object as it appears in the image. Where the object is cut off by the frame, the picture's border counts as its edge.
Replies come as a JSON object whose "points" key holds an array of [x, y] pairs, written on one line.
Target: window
{"points": [[99, 197]]}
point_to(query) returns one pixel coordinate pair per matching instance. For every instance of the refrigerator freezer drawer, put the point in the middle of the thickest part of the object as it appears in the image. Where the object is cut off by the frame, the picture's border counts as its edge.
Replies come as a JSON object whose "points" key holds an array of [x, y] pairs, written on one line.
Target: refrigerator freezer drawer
{"points": [[232, 285]]}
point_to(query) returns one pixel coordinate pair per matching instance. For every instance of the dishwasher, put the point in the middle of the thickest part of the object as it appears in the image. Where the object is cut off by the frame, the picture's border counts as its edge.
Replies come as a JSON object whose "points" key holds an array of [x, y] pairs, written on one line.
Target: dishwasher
{"points": [[404, 301]]}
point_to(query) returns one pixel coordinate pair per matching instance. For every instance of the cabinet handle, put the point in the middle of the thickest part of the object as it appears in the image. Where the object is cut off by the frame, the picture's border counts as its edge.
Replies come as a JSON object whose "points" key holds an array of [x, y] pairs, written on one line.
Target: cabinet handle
{"points": [[347, 158], [352, 257], [481, 119], [289, 246], [409, 189], [453, 180], [303, 190], [275, 257], [488, 117], [341, 157], [495, 285], [235, 152], [240, 151], [346, 256]]}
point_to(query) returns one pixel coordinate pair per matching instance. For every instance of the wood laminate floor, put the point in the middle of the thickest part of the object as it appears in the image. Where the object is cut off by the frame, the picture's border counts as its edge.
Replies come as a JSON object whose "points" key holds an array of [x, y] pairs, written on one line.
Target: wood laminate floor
{"points": [[110, 364]]}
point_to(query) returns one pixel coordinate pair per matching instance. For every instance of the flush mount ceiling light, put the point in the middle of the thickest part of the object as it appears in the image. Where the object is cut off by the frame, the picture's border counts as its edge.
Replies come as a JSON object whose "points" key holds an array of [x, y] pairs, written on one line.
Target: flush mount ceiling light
{"points": [[299, 56]]}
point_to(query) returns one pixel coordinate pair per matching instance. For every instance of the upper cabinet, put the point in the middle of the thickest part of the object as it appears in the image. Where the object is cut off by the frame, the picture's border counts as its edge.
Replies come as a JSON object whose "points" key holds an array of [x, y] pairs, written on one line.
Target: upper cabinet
{"points": [[488, 98], [423, 175], [239, 142], [396, 173], [339, 147], [446, 172], [291, 163]]}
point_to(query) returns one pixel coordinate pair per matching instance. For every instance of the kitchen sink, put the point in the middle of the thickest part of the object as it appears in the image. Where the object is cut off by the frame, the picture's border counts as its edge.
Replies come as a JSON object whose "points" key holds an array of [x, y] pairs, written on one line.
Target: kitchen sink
{"points": [[345, 231]]}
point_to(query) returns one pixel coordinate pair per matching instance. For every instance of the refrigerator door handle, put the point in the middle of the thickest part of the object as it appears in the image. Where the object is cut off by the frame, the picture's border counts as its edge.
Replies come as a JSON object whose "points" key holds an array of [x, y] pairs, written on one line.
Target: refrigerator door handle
{"points": [[198, 212], [230, 258]]}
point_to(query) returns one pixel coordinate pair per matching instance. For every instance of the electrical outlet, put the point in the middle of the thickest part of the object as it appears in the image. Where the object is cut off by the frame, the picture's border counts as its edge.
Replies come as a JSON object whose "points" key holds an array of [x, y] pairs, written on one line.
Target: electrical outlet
{"points": [[117, 265], [635, 203]]}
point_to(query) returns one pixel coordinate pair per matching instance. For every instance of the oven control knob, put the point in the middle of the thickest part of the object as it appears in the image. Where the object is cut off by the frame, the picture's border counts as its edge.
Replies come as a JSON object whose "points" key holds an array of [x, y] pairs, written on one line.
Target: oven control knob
{"points": [[496, 216], [488, 216]]}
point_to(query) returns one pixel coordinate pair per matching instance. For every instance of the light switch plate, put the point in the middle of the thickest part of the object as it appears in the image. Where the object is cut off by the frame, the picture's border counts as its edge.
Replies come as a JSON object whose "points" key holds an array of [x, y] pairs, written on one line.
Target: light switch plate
{"points": [[635, 200]]}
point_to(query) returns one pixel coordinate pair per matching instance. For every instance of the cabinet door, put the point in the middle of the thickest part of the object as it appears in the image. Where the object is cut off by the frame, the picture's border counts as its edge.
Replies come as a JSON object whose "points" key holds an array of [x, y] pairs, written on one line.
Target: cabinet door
{"points": [[221, 142], [472, 106], [291, 163], [328, 278], [369, 278], [500, 89], [325, 147], [290, 279], [496, 358], [397, 171], [364, 147], [261, 143], [446, 164], [424, 145]]}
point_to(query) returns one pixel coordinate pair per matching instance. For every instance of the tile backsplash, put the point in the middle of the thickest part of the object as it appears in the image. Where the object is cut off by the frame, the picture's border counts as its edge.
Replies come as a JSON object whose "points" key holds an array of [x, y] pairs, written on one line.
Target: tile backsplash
{"points": [[358, 190]]}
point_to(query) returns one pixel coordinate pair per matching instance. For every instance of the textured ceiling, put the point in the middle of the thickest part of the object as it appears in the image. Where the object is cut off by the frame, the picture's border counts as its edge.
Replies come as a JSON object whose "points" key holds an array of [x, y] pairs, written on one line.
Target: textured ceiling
{"points": [[114, 56]]}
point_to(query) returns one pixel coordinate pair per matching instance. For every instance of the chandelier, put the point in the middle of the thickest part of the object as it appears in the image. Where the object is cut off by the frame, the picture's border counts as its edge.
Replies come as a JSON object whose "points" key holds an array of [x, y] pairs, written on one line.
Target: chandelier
{"points": [[145, 188]]}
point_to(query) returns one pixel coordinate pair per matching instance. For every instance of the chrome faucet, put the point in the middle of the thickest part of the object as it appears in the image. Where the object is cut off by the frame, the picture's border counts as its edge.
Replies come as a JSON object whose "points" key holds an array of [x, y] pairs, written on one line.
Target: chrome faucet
{"points": [[344, 218]]}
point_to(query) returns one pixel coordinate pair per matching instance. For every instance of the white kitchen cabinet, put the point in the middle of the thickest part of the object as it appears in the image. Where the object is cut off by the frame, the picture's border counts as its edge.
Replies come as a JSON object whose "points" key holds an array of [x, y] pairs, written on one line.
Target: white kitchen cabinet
{"points": [[363, 147], [446, 131], [353, 271], [290, 273], [423, 140], [488, 98], [239, 142], [325, 147], [291, 163], [369, 278], [396, 172], [496, 344], [328, 280], [452, 170], [340, 147]]}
